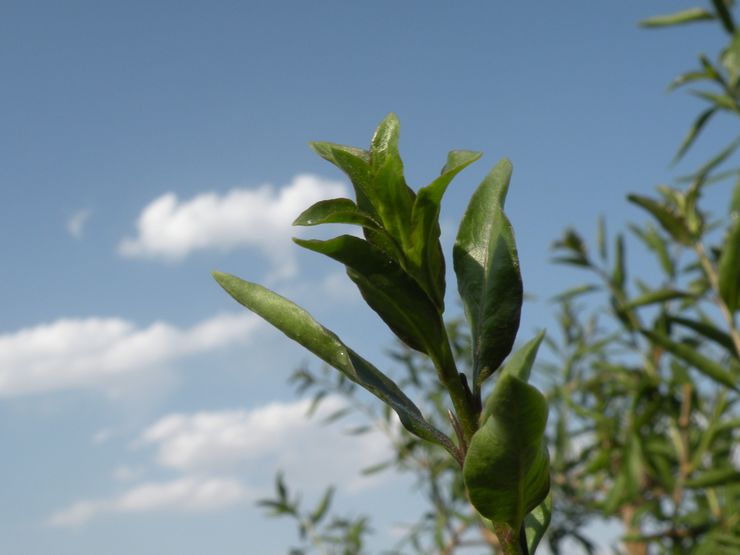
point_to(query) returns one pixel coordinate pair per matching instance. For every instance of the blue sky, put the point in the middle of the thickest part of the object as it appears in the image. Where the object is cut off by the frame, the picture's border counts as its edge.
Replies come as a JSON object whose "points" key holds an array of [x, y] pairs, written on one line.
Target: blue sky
{"points": [[147, 143]]}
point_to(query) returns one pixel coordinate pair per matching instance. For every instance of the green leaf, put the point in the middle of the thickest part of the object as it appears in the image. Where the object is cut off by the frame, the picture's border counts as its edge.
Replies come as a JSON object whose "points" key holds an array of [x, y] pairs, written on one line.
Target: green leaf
{"points": [[656, 243], [707, 330], [354, 162], [423, 250], [731, 58], [388, 192], [520, 363], [601, 237], [335, 211], [654, 297], [692, 15], [729, 266], [724, 15], [705, 365], [693, 133], [724, 101], [301, 327], [320, 511], [487, 269], [536, 523], [714, 478], [506, 468], [619, 274], [667, 218], [389, 291], [688, 77]]}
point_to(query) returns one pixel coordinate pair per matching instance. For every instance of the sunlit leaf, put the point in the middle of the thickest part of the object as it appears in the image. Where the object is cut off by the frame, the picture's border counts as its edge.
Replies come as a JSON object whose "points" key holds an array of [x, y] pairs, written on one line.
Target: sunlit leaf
{"points": [[300, 326], [487, 269], [729, 266], [692, 15], [335, 211], [506, 467]]}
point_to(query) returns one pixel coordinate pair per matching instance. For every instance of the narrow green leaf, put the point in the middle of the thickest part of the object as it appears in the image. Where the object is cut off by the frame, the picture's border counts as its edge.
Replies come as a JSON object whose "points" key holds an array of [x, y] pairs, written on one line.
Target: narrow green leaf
{"points": [[536, 523], [654, 297], [705, 365], [688, 77], [573, 292], [724, 15], [423, 250], [692, 15], [389, 291], [320, 511], [724, 101], [487, 269], [656, 243], [667, 218], [335, 211], [693, 133], [714, 478], [300, 326], [601, 237], [729, 266], [619, 273], [707, 330], [506, 469], [520, 363]]}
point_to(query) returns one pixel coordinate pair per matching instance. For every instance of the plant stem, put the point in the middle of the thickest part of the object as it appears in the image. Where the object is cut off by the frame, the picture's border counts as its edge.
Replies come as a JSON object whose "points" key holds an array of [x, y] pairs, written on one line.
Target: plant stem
{"points": [[460, 394], [509, 539]]}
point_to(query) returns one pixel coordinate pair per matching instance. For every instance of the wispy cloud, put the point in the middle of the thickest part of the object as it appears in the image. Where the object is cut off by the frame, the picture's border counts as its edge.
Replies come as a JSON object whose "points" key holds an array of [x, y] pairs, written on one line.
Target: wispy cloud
{"points": [[276, 435], [172, 229], [76, 223], [188, 494], [72, 353]]}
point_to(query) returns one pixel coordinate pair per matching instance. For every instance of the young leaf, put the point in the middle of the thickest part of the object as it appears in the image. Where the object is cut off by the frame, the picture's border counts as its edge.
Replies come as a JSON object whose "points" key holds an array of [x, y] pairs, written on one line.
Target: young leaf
{"points": [[300, 326], [693, 133], [520, 363], [707, 330], [729, 266], [705, 365], [423, 251], [336, 211], [691, 15], [389, 291], [619, 274], [667, 218], [487, 269], [506, 469], [388, 192]]}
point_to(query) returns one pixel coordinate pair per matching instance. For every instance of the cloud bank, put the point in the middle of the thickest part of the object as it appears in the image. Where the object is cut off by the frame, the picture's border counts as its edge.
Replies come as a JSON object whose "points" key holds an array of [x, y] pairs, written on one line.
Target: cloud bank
{"points": [[74, 353], [261, 218]]}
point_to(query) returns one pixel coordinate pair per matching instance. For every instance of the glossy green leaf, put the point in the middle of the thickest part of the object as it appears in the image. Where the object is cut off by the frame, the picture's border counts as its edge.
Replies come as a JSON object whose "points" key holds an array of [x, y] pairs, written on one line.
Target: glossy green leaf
{"points": [[520, 363], [536, 523], [392, 198], [423, 250], [729, 266], [667, 218], [300, 326], [506, 468], [705, 365], [389, 291], [692, 15], [355, 163], [714, 478], [487, 269], [654, 297], [335, 211], [707, 330]]}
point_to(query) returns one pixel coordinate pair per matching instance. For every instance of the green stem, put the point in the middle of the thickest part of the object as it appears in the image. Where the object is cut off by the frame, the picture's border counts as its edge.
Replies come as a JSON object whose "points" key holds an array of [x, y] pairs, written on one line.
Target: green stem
{"points": [[460, 394]]}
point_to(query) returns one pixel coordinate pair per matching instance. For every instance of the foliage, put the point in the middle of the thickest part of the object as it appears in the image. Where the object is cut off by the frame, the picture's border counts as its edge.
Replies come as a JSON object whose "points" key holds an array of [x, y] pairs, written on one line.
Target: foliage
{"points": [[399, 269], [643, 375]]}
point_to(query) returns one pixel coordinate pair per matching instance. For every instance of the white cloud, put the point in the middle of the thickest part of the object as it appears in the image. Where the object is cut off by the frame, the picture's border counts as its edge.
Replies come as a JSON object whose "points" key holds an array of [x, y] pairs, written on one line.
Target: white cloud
{"points": [[188, 494], [277, 435], [260, 218], [72, 353], [76, 223]]}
